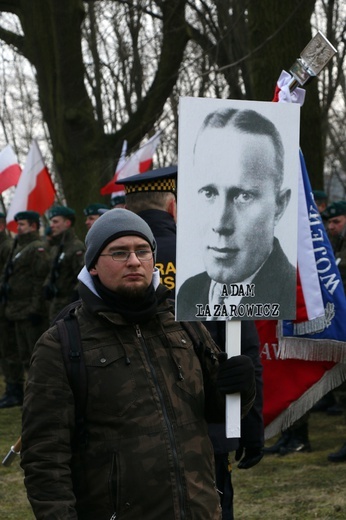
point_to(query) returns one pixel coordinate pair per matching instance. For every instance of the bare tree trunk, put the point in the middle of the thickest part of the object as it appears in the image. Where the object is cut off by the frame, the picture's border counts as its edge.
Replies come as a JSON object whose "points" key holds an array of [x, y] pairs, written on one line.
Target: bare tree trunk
{"points": [[278, 32]]}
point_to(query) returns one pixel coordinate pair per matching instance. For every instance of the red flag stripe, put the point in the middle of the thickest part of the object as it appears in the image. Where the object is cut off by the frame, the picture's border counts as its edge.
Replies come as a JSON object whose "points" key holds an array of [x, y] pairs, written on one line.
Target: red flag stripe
{"points": [[9, 177]]}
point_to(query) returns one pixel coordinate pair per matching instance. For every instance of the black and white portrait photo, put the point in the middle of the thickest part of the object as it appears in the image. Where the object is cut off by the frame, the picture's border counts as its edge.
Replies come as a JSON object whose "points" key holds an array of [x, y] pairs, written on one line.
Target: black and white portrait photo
{"points": [[237, 209]]}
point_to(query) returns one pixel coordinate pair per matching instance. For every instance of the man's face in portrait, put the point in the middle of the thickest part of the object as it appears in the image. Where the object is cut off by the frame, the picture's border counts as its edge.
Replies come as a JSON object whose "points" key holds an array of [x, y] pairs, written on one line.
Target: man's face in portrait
{"points": [[239, 202]]}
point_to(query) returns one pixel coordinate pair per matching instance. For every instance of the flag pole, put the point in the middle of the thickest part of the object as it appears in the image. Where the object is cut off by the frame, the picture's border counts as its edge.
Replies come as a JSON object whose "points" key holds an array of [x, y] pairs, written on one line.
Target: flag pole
{"points": [[313, 58]]}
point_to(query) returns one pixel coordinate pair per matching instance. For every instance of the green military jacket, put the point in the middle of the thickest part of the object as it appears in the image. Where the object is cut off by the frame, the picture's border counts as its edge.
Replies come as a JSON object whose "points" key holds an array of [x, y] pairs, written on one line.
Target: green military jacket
{"points": [[148, 455], [30, 265], [67, 259], [6, 244], [339, 248]]}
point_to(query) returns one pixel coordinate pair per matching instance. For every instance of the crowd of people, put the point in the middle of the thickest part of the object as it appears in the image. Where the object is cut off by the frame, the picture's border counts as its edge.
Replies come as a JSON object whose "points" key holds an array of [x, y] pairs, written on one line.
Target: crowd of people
{"points": [[145, 435], [151, 387]]}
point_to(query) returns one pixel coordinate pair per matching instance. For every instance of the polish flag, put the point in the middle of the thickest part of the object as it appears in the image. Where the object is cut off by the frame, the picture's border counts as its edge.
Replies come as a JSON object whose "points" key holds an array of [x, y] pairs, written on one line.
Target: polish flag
{"points": [[9, 168], [35, 190], [139, 162]]}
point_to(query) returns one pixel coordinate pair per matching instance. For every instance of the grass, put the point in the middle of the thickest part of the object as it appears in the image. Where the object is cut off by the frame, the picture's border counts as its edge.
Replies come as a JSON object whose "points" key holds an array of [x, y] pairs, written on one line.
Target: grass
{"points": [[300, 486], [296, 487]]}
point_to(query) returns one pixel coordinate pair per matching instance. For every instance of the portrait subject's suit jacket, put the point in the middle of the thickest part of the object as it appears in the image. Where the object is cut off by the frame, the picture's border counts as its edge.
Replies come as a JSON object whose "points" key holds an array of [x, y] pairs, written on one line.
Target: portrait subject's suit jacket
{"points": [[274, 283]]}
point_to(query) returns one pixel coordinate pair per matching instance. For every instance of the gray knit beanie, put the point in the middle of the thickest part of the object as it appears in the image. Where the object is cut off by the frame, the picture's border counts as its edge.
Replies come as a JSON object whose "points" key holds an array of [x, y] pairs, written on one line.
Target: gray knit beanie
{"points": [[113, 224]]}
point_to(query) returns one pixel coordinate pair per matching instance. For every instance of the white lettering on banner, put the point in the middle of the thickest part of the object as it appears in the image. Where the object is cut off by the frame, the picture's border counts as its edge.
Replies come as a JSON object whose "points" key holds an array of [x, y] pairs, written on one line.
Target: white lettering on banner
{"points": [[323, 264], [270, 352]]}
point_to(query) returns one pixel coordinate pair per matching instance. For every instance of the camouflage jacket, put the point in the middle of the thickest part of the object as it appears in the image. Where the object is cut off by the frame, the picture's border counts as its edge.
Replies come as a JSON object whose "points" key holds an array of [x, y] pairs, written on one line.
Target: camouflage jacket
{"points": [[148, 455], [6, 244], [67, 259], [30, 265]]}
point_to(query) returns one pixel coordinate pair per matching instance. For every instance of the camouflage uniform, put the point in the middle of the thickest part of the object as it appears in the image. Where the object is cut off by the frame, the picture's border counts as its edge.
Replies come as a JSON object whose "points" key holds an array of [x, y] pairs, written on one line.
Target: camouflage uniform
{"points": [[67, 259], [24, 304], [10, 362], [148, 455]]}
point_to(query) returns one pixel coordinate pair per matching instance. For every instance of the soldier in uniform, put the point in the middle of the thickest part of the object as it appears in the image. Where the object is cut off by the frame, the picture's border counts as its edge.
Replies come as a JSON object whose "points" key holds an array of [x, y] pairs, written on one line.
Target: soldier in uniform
{"points": [[22, 287], [152, 196], [118, 200], [10, 363], [93, 212], [67, 259], [336, 227], [321, 200]]}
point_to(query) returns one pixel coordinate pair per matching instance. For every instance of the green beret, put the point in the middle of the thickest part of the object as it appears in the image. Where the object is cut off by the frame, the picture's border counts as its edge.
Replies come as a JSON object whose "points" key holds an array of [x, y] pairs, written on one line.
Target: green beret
{"points": [[2, 215], [62, 211], [319, 195], [118, 199], [27, 215], [93, 209], [335, 209]]}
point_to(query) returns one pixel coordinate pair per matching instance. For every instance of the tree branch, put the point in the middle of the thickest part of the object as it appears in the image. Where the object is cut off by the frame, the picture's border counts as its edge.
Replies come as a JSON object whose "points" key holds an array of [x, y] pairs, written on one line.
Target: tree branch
{"points": [[13, 39], [174, 40]]}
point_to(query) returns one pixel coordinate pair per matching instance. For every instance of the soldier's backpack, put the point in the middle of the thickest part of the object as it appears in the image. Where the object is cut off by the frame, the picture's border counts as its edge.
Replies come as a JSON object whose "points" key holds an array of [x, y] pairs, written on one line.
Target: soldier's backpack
{"points": [[71, 346]]}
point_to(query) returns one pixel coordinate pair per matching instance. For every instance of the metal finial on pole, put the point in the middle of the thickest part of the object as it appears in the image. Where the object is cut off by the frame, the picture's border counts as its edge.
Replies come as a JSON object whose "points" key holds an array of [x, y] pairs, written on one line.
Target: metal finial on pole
{"points": [[313, 58]]}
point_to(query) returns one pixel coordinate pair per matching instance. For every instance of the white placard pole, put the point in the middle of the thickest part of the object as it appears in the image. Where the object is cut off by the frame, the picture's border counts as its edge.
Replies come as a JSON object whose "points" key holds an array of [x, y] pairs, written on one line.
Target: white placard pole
{"points": [[233, 337]]}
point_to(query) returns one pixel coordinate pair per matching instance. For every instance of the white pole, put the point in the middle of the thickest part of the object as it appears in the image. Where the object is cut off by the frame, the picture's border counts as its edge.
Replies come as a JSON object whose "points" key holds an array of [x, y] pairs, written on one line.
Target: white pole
{"points": [[233, 337]]}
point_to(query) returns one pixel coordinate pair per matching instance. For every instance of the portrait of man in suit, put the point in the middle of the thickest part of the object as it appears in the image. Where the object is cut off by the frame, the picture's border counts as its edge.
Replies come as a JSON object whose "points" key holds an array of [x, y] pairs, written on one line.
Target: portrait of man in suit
{"points": [[238, 163]]}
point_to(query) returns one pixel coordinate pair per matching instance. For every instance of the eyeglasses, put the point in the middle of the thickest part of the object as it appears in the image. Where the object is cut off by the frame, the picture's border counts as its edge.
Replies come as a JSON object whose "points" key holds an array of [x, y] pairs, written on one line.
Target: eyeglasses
{"points": [[143, 255]]}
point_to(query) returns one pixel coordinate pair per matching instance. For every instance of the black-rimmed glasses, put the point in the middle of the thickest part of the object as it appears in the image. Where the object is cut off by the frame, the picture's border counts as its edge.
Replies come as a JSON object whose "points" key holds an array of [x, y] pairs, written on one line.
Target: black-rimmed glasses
{"points": [[143, 255]]}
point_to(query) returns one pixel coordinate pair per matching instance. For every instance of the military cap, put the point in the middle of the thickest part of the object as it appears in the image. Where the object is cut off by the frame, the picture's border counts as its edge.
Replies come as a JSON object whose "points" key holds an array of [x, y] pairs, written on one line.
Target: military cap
{"points": [[2, 215], [62, 211], [118, 199], [27, 215], [162, 179], [94, 209], [319, 195], [335, 209]]}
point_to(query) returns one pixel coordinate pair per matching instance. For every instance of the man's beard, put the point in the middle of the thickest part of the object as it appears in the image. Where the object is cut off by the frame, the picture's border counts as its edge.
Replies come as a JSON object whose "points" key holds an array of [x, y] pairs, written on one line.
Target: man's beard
{"points": [[132, 293]]}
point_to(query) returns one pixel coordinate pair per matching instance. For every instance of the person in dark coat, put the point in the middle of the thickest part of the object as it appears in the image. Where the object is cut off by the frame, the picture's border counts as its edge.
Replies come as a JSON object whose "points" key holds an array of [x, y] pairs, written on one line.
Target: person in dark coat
{"points": [[152, 196], [67, 259], [249, 447], [150, 392], [23, 304], [11, 365]]}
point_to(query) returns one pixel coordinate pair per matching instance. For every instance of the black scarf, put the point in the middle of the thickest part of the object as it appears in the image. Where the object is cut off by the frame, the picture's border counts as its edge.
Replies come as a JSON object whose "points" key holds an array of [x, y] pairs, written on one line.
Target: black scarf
{"points": [[133, 310]]}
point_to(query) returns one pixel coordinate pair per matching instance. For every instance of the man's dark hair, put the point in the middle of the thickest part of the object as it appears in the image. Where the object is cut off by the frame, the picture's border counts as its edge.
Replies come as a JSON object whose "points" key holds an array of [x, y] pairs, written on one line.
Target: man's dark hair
{"points": [[137, 202], [32, 221], [248, 122]]}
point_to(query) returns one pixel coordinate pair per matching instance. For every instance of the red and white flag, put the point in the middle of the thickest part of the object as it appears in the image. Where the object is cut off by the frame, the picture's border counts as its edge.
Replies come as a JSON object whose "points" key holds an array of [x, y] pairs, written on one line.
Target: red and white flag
{"points": [[9, 168], [35, 190], [139, 162], [292, 386]]}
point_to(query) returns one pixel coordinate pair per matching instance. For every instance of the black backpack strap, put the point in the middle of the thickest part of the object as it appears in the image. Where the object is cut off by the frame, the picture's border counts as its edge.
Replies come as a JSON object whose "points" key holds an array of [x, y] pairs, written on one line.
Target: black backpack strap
{"points": [[71, 346]]}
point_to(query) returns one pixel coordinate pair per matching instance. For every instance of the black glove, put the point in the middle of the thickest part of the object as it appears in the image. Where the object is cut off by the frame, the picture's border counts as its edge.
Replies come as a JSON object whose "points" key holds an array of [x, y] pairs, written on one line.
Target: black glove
{"points": [[236, 374], [35, 319], [251, 457]]}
